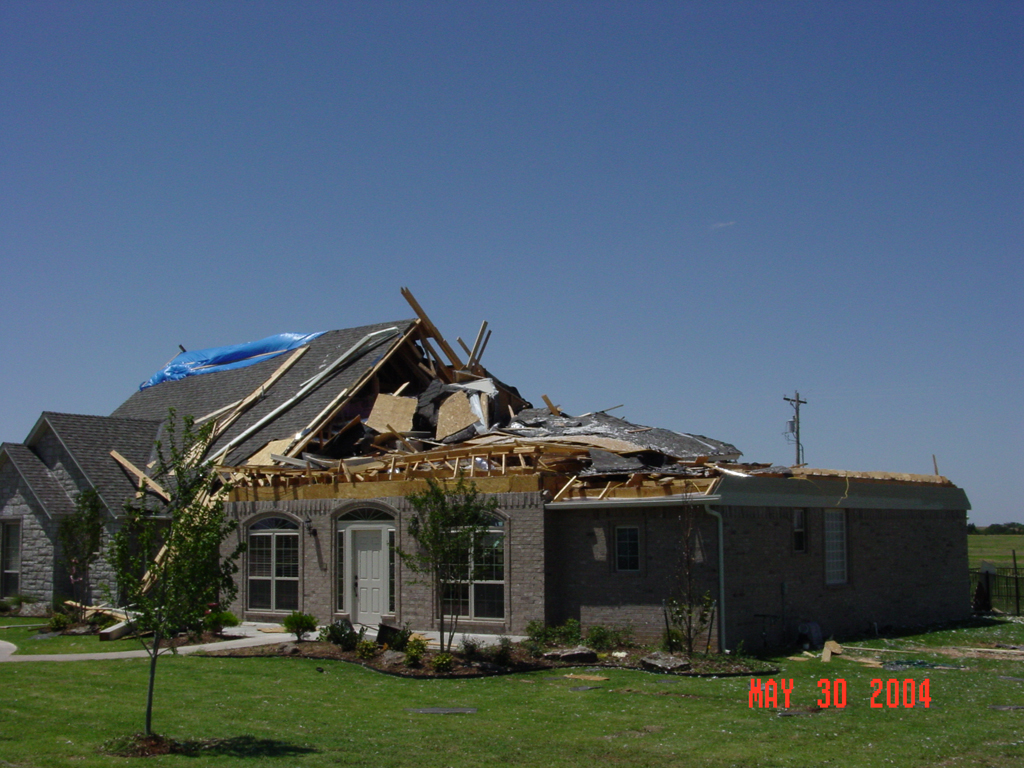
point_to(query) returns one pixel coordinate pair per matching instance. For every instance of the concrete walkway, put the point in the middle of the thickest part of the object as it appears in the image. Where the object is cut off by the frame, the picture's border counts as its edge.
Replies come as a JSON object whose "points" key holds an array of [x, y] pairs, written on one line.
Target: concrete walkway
{"points": [[245, 635]]}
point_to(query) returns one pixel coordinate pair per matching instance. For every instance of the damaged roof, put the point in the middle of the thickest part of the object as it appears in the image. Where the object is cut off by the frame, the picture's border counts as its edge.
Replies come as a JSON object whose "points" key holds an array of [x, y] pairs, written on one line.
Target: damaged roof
{"points": [[201, 396]]}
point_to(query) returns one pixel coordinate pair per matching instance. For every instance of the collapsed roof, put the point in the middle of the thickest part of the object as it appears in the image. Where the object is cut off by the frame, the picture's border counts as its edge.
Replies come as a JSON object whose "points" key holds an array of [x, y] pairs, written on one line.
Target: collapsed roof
{"points": [[394, 402]]}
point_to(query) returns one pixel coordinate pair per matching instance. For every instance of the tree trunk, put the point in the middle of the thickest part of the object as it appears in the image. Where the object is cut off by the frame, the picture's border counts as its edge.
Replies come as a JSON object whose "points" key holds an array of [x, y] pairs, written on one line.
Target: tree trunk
{"points": [[152, 681]]}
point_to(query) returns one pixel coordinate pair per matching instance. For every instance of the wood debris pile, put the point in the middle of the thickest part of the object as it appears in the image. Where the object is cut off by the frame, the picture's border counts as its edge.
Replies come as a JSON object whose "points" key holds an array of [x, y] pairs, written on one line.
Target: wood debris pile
{"points": [[426, 412]]}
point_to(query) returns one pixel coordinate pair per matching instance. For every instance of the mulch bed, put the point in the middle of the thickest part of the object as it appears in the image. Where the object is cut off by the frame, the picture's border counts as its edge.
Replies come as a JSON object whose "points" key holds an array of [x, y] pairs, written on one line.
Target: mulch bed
{"points": [[482, 663]]}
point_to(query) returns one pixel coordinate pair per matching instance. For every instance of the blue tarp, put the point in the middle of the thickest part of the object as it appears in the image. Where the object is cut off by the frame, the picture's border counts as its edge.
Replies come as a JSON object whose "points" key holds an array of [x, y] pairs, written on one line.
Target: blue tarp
{"points": [[228, 358]]}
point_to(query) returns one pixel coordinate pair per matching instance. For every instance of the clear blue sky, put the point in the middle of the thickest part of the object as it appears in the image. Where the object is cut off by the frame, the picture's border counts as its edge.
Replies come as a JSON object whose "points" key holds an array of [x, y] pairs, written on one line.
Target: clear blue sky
{"points": [[690, 208]]}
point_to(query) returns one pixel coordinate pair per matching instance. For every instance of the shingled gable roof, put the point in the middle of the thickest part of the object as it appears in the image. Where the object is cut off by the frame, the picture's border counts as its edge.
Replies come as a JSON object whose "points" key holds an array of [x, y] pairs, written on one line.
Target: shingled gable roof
{"points": [[207, 393], [44, 486], [89, 440]]}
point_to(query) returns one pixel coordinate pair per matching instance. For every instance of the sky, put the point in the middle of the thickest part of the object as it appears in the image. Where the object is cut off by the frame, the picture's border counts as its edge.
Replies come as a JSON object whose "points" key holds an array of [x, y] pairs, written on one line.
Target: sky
{"points": [[691, 209]]}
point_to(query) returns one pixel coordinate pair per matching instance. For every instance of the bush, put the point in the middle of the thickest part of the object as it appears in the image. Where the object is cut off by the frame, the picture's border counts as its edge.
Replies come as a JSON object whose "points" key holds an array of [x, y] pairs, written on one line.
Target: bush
{"points": [[602, 638], [59, 622], [5, 607], [470, 646], [101, 621], [540, 633], [366, 649], [502, 653], [414, 649], [216, 621], [569, 633], [443, 662], [300, 624], [342, 634], [401, 641]]}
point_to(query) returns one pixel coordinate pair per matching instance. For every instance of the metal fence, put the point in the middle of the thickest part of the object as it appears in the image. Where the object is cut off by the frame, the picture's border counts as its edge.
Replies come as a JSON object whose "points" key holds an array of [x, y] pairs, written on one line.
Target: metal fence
{"points": [[1001, 590]]}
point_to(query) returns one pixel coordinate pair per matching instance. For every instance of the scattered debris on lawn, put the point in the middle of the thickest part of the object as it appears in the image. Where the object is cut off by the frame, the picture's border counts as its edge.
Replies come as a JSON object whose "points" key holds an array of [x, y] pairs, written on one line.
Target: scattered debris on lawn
{"points": [[442, 710]]}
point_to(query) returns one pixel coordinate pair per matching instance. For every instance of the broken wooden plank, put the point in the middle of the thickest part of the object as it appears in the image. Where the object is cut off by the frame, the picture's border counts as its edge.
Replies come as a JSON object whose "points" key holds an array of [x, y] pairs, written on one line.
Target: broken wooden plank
{"points": [[565, 488], [142, 476], [476, 345], [551, 406], [222, 424], [429, 325]]}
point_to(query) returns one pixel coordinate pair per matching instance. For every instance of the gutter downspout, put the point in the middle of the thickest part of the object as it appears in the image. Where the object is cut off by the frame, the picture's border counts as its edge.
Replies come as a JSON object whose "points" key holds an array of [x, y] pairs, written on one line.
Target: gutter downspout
{"points": [[721, 575]]}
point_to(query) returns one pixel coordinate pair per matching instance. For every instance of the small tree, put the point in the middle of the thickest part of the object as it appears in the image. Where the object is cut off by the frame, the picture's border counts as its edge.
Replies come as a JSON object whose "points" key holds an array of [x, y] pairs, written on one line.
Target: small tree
{"points": [[690, 611], [167, 556], [80, 535], [448, 526]]}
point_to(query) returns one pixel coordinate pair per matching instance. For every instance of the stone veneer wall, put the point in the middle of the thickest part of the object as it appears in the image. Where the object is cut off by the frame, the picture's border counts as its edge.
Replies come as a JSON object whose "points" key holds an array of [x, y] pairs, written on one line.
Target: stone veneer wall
{"points": [[38, 532], [904, 568], [584, 582], [524, 561]]}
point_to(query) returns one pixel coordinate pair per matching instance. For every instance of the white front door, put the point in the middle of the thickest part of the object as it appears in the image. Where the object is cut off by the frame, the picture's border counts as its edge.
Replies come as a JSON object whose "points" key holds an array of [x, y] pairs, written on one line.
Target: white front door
{"points": [[370, 576]]}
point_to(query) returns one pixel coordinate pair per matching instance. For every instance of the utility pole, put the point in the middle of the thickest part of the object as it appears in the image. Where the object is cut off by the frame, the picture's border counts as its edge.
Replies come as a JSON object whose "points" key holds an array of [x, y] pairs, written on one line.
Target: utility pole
{"points": [[794, 428]]}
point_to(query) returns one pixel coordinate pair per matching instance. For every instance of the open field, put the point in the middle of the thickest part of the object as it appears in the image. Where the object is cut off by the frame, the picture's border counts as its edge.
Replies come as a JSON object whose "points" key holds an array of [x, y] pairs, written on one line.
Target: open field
{"points": [[284, 712], [995, 549]]}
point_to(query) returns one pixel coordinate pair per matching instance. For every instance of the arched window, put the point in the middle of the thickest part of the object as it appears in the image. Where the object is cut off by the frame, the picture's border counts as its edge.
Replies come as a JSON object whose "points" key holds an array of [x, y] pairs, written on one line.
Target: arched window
{"points": [[274, 565]]}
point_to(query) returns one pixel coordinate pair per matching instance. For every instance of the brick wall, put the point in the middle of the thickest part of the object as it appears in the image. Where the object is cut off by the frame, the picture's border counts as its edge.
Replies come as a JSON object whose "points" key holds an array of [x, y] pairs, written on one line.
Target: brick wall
{"points": [[524, 561], [904, 568], [584, 583]]}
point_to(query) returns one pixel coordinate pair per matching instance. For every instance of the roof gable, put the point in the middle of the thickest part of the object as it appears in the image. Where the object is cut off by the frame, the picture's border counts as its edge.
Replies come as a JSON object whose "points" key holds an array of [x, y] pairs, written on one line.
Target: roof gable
{"points": [[89, 440], [44, 486]]}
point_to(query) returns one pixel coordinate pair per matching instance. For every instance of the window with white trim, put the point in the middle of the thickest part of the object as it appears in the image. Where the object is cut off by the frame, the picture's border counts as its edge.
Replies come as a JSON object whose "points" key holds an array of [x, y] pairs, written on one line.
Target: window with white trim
{"points": [[10, 558], [274, 565], [627, 548], [835, 546], [482, 594]]}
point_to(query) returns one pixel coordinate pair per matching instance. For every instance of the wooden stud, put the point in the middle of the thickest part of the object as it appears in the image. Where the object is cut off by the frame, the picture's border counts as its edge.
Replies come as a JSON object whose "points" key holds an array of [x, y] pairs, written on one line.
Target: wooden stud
{"points": [[551, 406], [429, 326], [142, 476]]}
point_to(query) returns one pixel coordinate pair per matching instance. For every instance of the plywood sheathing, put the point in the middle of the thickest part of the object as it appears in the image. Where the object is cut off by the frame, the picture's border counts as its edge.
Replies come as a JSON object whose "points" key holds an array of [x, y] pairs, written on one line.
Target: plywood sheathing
{"points": [[391, 412], [262, 456], [454, 415]]}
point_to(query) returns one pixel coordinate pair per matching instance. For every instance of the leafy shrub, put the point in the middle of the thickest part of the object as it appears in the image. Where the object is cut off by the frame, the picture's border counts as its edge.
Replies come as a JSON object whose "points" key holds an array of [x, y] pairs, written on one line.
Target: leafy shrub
{"points": [[535, 649], [569, 633], [5, 607], [59, 622], [414, 649], [366, 649], [602, 638], [443, 662], [502, 653], [216, 621], [342, 634], [541, 634], [102, 620], [401, 641], [470, 646], [300, 624], [538, 632]]}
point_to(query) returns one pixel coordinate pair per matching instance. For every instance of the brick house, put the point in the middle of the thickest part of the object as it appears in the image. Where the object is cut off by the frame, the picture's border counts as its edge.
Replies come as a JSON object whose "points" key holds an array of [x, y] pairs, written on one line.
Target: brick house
{"points": [[323, 438]]}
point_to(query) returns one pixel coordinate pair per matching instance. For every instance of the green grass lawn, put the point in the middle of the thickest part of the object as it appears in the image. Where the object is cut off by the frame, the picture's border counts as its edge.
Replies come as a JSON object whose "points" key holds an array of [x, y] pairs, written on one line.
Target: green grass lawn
{"points": [[283, 712], [996, 549], [29, 642]]}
